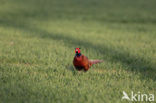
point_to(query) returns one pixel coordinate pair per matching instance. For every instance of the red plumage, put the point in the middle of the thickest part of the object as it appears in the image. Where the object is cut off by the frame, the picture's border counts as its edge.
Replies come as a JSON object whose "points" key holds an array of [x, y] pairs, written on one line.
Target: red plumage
{"points": [[81, 62]]}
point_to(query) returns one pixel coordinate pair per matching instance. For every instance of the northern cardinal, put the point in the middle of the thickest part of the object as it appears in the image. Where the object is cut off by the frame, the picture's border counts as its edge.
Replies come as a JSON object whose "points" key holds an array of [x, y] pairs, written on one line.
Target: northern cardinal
{"points": [[81, 62]]}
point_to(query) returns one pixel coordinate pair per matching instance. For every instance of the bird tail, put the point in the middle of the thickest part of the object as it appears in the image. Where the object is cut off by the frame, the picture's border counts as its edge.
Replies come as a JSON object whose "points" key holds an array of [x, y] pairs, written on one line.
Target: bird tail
{"points": [[95, 61]]}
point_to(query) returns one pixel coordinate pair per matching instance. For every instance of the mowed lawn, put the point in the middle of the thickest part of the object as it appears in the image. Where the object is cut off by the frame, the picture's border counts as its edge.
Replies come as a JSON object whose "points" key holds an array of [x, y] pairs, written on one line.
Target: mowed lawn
{"points": [[37, 41]]}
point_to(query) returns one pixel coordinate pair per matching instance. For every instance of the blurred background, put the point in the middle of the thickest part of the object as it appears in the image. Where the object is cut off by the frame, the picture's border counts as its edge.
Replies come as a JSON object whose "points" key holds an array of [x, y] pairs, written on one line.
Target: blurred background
{"points": [[37, 41]]}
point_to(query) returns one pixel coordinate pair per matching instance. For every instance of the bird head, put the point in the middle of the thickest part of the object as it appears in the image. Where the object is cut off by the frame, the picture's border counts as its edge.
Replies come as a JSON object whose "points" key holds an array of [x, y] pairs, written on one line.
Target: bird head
{"points": [[77, 51]]}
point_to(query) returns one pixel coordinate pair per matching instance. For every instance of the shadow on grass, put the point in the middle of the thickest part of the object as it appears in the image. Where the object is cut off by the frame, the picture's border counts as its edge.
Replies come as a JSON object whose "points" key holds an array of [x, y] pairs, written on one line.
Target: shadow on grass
{"points": [[135, 64], [71, 68]]}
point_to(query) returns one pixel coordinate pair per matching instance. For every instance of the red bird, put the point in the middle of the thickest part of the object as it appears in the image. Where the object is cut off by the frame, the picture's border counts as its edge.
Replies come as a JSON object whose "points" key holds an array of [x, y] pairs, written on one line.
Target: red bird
{"points": [[81, 62]]}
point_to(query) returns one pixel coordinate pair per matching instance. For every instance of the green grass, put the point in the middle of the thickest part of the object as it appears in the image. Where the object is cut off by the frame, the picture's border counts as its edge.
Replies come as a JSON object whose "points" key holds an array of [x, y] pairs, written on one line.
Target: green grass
{"points": [[37, 41]]}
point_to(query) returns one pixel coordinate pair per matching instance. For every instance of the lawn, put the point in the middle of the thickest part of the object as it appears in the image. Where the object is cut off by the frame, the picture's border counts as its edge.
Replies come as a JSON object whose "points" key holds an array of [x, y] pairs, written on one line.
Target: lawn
{"points": [[37, 42]]}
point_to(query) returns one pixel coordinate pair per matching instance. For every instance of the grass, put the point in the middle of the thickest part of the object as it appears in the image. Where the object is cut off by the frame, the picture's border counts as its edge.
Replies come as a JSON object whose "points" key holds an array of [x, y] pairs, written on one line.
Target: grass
{"points": [[37, 41]]}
